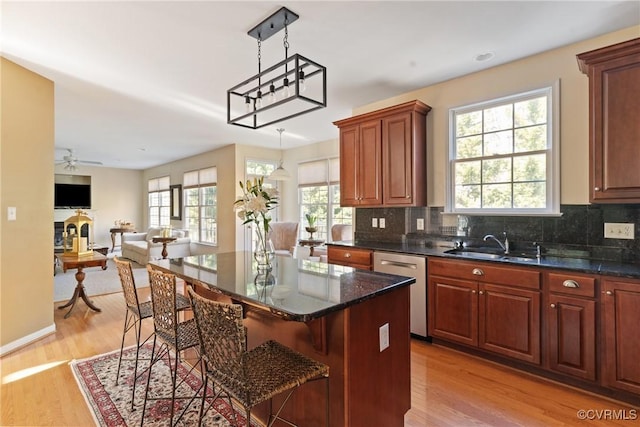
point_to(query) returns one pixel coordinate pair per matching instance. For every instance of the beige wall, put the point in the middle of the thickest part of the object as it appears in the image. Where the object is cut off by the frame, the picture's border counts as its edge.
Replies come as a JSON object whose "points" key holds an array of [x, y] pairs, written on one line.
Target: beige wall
{"points": [[115, 194], [26, 182], [518, 76]]}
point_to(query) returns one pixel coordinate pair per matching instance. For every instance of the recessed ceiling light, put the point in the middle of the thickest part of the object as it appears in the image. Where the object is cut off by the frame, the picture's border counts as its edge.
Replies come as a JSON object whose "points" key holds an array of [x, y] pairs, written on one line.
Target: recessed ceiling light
{"points": [[142, 149], [482, 57]]}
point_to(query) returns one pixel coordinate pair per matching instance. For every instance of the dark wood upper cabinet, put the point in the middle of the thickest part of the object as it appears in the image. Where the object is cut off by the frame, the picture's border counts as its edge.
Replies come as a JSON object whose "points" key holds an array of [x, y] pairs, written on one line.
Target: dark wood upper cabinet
{"points": [[383, 157], [614, 124]]}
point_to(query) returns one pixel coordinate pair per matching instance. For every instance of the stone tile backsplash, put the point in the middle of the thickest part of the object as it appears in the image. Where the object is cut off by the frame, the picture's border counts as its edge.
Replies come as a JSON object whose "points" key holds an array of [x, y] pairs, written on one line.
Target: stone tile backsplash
{"points": [[579, 232]]}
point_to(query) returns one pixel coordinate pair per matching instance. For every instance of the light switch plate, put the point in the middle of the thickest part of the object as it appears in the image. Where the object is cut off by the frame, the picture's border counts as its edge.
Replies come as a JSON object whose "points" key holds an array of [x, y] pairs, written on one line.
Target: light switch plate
{"points": [[11, 213], [382, 223], [420, 224], [615, 230], [374, 222]]}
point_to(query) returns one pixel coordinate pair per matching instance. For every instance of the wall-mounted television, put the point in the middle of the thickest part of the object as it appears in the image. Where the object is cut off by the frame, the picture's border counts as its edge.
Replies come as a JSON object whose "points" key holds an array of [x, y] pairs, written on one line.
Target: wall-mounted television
{"points": [[72, 196]]}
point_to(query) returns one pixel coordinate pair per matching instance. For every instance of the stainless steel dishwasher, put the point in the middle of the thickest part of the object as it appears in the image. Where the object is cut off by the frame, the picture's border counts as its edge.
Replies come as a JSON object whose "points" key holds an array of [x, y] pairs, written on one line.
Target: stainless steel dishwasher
{"points": [[409, 266]]}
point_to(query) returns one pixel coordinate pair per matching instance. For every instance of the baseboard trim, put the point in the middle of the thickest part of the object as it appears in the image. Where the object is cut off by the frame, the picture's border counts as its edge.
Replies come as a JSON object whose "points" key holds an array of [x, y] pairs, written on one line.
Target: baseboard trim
{"points": [[26, 340]]}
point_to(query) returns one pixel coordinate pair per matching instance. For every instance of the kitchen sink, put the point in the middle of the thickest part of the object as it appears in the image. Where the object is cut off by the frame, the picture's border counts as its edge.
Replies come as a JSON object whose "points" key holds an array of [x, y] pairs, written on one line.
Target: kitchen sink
{"points": [[489, 255]]}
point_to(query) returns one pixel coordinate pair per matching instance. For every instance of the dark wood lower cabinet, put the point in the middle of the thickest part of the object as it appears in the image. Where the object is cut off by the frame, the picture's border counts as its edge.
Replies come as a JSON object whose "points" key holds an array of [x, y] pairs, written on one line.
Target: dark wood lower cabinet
{"points": [[577, 328], [510, 322], [453, 310], [494, 317], [571, 333], [621, 327]]}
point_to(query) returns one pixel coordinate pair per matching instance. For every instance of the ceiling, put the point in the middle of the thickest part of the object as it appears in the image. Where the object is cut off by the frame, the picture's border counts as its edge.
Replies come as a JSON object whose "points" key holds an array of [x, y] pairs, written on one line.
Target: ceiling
{"points": [[139, 84]]}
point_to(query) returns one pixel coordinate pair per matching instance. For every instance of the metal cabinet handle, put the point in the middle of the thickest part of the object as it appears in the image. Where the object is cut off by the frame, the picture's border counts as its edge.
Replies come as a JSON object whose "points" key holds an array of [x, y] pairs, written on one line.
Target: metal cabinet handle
{"points": [[477, 272], [597, 188], [570, 284], [553, 306], [347, 255], [609, 293], [481, 292]]}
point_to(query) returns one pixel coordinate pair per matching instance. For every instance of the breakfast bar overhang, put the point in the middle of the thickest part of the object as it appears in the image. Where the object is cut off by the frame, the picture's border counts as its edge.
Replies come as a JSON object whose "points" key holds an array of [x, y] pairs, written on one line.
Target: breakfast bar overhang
{"points": [[337, 315]]}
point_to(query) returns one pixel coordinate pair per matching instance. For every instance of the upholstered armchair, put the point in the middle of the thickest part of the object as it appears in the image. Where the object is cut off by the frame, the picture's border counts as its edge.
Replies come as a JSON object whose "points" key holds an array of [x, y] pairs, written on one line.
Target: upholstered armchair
{"points": [[284, 236], [139, 247]]}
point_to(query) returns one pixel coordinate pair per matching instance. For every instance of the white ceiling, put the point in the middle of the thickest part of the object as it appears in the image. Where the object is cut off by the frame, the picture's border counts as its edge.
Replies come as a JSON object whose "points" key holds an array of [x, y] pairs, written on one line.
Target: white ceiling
{"points": [[139, 84]]}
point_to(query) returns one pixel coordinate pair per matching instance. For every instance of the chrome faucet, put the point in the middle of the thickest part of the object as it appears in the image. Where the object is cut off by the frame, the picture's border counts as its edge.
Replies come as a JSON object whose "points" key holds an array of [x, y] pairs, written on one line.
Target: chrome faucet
{"points": [[504, 246]]}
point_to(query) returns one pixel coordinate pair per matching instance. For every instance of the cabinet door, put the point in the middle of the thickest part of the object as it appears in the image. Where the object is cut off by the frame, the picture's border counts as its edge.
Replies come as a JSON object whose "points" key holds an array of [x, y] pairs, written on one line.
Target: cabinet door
{"points": [[349, 142], [397, 160], [621, 303], [509, 322], [572, 341], [369, 174], [453, 310], [614, 103]]}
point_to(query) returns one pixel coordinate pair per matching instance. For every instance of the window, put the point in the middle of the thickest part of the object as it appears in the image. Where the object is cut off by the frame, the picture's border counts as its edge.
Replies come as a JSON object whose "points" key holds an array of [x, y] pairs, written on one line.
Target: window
{"points": [[319, 195], [503, 156], [257, 169], [159, 201], [200, 204]]}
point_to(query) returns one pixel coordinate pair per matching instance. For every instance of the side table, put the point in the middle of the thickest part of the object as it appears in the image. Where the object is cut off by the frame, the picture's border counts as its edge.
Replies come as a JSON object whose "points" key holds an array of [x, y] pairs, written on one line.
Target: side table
{"points": [[164, 241], [94, 260], [312, 243], [119, 230]]}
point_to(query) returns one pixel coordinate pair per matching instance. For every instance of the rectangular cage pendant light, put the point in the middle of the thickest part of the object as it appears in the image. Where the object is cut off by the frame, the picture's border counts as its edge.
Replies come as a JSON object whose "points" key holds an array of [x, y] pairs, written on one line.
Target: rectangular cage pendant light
{"points": [[290, 88]]}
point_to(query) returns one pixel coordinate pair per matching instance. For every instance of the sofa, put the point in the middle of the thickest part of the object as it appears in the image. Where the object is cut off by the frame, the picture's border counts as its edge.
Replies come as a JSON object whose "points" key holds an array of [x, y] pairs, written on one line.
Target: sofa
{"points": [[139, 247]]}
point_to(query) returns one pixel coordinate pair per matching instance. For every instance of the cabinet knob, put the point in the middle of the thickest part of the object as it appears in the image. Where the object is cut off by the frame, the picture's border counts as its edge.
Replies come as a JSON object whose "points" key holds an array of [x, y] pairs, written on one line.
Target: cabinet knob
{"points": [[347, 255], [609, 293], [473, 291], [553, 306], [481, 292], [570, 284], [407, 197], [477, 272], [596, 189]]}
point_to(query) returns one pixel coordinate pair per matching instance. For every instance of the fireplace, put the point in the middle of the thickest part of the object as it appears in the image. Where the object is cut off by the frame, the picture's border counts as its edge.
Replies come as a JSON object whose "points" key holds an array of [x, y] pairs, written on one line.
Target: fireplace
{"points": [[58, 228]]}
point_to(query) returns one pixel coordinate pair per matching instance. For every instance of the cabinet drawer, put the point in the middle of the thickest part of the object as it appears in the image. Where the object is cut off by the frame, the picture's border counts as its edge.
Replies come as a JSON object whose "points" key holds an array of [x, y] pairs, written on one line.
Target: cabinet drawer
{"points": [[353, 257], [485, 272], [572, 284]]}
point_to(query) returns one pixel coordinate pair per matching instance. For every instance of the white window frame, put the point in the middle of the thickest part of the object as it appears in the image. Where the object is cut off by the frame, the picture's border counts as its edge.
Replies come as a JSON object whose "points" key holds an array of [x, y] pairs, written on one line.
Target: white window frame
{"points": [[323, 173], [200, 179], [251, 237], [160, 187], [552, 208]]}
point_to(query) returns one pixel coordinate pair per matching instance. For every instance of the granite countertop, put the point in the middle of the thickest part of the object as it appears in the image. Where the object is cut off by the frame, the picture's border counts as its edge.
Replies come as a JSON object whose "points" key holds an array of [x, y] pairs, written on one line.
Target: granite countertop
{"points": [[298, 289], [589, 266]]}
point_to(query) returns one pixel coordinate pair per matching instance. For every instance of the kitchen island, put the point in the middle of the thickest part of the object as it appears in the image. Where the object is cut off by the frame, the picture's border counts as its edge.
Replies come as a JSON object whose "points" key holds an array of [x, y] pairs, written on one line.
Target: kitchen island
{"points": [[355, 321]]}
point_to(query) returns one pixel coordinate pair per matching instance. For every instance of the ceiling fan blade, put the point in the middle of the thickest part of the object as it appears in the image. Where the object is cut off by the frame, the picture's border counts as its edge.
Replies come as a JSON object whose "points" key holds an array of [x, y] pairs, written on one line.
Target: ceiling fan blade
{"points": [[88, 162]]}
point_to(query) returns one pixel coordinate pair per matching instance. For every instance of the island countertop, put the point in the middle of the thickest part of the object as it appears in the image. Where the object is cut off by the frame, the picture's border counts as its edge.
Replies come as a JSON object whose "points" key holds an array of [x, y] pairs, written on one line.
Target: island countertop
{"points": [[297, 289]]}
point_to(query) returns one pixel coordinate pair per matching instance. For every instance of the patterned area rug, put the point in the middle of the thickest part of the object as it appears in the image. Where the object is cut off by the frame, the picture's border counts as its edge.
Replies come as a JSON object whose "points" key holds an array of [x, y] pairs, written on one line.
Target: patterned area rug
{"points": [[110, 404]]}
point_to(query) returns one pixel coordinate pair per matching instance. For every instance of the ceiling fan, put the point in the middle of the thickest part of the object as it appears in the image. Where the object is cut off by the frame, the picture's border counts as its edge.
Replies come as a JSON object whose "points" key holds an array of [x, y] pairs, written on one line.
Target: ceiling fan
{"points": [[71, 161]]}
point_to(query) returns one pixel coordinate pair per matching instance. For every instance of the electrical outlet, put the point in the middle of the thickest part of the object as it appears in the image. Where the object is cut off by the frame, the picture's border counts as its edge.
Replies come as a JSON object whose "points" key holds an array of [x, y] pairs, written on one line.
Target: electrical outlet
{"points": [[420, 224], [614, 230], [381, 222], [384, 337], [374, 222]]}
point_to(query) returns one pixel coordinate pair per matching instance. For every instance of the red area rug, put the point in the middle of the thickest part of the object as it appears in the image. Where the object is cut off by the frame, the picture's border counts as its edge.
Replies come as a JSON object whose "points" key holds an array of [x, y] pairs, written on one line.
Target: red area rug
{"points": [[110, 404]]}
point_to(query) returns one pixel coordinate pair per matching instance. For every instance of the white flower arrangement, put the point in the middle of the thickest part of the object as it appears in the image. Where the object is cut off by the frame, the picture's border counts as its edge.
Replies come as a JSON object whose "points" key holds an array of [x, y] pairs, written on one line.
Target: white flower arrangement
{"points": [[254, 206]]}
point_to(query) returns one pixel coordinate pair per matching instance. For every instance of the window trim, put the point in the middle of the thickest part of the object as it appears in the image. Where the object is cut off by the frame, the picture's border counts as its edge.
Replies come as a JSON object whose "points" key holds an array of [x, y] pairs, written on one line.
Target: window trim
{"points": [[159, 185], [199, 186], [552, 91]]}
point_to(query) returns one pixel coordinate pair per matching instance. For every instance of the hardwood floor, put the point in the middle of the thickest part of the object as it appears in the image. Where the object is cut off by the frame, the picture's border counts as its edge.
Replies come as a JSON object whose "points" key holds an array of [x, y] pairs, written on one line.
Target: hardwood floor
{"points": [[448, 388]]}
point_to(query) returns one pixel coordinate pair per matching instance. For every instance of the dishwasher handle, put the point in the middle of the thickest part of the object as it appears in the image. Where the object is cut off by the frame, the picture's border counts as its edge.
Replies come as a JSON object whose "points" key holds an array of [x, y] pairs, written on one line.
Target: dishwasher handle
{"points": [[399, 264]]}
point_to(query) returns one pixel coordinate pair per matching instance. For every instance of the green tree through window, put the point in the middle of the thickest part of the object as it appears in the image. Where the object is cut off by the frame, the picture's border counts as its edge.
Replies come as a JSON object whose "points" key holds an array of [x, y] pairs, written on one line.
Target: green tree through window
{"points": [[502, 155]]}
